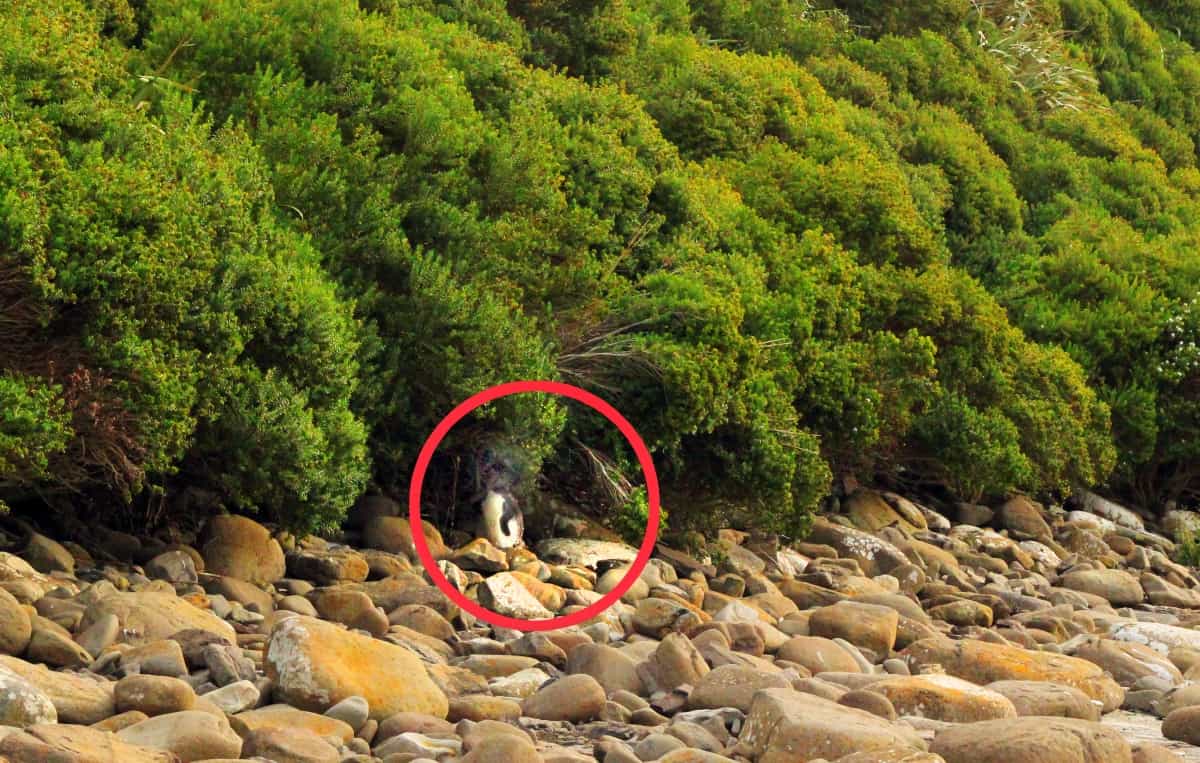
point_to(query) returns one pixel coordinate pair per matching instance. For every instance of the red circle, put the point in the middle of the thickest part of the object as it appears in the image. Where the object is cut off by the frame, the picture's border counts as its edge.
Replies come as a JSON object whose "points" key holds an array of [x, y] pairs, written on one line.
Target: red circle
{"points": [[487, 396]]}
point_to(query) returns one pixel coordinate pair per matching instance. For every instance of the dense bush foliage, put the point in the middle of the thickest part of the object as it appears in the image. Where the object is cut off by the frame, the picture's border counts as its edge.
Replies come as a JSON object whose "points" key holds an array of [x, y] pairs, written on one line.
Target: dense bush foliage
{"points": [[158, 319], [263, 246]]}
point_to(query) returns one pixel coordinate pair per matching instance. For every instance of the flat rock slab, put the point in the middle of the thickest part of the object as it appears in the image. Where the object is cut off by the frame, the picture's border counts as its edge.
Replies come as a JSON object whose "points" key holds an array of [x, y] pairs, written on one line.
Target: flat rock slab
{"points": [[1032, 739], [1158, 636], [94, 745], [150, 616], [584, 552], [76, 699], [314, 665], [504, 594], [785, 726], [944, 698], [1139, 727], [982, 662]]}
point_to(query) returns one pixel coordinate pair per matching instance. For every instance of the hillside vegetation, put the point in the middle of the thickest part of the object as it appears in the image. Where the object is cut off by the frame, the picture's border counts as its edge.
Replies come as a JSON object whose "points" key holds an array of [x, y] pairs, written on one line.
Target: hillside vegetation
{"points": [[260, 247]]}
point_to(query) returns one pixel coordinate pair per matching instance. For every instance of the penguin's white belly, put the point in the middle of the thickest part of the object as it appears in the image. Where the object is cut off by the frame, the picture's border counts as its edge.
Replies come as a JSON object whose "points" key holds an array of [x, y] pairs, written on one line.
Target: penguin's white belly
{"points": [[502, 537], [501, 528]]}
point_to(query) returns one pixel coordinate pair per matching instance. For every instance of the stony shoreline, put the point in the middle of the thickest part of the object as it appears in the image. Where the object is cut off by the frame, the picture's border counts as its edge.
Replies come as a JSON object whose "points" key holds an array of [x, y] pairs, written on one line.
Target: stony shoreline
{"points": [[892, 634]]}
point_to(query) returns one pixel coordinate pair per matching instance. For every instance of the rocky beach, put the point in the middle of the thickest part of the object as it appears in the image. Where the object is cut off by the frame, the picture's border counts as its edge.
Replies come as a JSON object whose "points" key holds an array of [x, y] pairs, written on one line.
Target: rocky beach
{"points": [[885, 312], [893, 633]]}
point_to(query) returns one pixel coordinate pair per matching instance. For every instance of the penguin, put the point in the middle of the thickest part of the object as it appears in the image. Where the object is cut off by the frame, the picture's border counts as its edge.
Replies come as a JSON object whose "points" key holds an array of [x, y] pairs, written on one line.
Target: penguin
{"points": [[501, 522]]}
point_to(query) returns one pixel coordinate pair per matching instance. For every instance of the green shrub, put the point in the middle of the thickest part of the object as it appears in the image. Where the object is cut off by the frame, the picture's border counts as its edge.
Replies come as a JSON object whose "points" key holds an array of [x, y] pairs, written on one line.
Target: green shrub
{"points": [[632, 518], [582, 36], [165, 323], [35, 429], [264, 246], [897, 17], [1187, 549]]}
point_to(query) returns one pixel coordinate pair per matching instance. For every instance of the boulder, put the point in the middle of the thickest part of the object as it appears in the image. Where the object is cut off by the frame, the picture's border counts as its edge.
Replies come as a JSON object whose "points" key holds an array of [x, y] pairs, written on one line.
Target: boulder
{"points": [[963, 613], [575, 698], [496, 665], [13, 568], [52, 645], [865, 625], [241, 591], [1160, 637], [1187, 695], [869, 511], [1023, 519], [153, 695], [902, 604], [739, 560], [328, 566], [583, 552], [47, 555], [1183, 725], [392, 593], [76, 698], [819, 655], [656, 617], [176, 567], [99, 635], [1163, 593], [241, 548], [503, 749], [315, 664], [520, 685], [865, 699], [504, 594], [1128, 662], [353, 711], [982, 662], [235, 697], [874, 556], [974, 514], [1118, 587], [422, 619], [22, 704], [548, 595], [394, 535], [785, 726], [944, 698], [149, 615], [89, 745], [733, 686], [192, 735], [1032, 740], [1047, 699], [676, 662], [1110, 510], [1148, 752], [368, 507], [483, 707], [287, 717], [289, 746], [15, 626], [807, 595], [351, 608], [612, 668], [480, 556], [163, 657]]}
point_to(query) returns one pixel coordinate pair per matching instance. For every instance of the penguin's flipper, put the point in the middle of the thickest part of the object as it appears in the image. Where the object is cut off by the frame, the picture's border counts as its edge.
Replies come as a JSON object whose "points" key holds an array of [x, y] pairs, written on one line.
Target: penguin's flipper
{"points": [[512, 522]]}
